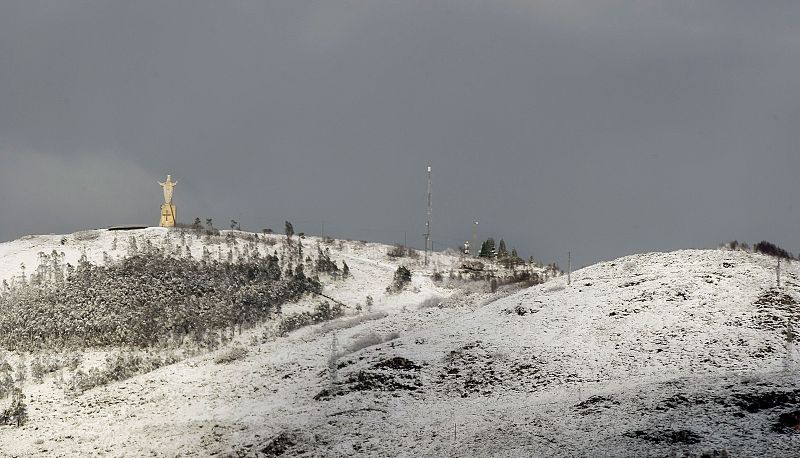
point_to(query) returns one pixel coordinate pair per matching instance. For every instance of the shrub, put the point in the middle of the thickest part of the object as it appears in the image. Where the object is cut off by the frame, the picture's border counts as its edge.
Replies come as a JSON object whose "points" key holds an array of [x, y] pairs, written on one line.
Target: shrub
{"points": [[402, 277], [231, 354], [396, 251], [116, 367], [772, 250], [368, 340], [430, 301], [17, 412], [349, 322], [322, 312]]}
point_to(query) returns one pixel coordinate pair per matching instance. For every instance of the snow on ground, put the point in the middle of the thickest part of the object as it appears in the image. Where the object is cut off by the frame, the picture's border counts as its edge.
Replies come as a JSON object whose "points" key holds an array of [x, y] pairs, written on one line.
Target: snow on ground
{"points": [[655, 354]]}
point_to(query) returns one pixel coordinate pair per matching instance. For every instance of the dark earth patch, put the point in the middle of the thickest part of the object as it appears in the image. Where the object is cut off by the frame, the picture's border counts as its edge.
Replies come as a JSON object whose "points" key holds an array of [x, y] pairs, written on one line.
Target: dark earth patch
{"points": [[680, 436], [775, 308], [754, 402], [470, 370], [788, 422], [398, 363], [595, 404]]}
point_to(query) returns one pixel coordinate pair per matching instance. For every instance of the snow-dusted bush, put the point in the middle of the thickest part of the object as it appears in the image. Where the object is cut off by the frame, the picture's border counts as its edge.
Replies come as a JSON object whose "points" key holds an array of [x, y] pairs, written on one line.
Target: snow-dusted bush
{"points": [[17, 411], [42, 365], [322, 312], [553, 287], [231, 354], [6, 379], [430, 301], [771, 249], [402, 277], [116, 367], [397, 251], [368, 340], [346, 323]]}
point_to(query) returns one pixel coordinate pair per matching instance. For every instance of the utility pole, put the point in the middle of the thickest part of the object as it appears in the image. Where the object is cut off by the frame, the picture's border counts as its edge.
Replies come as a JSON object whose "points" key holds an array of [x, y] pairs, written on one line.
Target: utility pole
{"points": [[475, 238], [428, 222], [569, 267], [778, 272], [323, 230]]}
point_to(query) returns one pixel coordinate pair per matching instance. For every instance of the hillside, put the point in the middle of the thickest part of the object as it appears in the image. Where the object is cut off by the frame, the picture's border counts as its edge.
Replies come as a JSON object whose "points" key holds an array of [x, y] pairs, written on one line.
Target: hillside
{"points": [[655, 354]]}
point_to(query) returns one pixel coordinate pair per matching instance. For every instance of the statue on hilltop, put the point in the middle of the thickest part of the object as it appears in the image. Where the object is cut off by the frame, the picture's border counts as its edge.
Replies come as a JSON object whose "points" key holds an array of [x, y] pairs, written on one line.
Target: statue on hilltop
{"points": [[168, 217], [168, 186]]}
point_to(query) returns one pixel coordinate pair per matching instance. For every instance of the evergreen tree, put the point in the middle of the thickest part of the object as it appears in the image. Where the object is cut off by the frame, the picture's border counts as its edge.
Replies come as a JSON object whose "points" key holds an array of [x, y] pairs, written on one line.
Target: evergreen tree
{"points": [[502, 251], [288, 229], [487, 248]]}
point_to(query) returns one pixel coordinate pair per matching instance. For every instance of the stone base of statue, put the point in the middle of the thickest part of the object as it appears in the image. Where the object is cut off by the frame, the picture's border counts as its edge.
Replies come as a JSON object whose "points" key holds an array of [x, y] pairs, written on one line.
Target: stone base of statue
{"points": [[168, 215]]}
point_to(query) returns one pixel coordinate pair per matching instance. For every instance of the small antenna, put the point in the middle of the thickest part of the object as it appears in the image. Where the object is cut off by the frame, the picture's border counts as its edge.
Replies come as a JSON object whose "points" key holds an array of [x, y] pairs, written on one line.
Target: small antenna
{"points": [[428, 222]]}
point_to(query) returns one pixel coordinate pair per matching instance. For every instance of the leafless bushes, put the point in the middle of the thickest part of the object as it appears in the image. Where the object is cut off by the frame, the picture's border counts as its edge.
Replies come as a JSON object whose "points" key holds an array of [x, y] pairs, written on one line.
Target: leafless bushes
{"points": [[45, 364], [430, 301], [322, 312], [347, 323], [117, 366]]}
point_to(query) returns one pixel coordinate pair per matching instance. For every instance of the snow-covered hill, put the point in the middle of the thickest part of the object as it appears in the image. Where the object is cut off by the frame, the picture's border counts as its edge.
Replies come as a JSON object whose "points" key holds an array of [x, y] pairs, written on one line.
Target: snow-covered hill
{"points": [[650, 355]]}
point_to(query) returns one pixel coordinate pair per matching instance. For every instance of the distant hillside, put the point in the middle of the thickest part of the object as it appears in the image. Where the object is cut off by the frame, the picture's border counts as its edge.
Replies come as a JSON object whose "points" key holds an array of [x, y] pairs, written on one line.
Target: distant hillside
{"points": [[659, 354]]}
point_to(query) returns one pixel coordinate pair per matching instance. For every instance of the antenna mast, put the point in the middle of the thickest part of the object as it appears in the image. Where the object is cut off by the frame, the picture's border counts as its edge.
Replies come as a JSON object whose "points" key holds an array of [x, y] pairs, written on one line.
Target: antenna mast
{"points": [[428, 222]]}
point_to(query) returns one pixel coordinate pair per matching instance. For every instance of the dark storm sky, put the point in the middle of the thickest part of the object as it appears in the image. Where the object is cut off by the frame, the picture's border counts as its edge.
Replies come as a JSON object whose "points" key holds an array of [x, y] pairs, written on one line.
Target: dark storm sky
{"points": [[600, 127]]}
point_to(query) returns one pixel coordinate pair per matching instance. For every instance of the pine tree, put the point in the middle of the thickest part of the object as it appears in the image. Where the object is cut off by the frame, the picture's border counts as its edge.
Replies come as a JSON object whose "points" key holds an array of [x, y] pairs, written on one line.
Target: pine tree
{"points": [[487, 248], [502, 251], [288, 229]]}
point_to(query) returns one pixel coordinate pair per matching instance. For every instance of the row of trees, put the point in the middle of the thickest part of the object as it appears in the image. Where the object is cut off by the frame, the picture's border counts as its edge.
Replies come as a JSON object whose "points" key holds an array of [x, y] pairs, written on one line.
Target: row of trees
{"points": [[763, 246], [500, 252]]}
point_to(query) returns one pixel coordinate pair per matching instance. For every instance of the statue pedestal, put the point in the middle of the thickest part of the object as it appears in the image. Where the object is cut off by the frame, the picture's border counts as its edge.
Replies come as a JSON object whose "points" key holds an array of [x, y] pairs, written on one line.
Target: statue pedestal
{"points": [[168, 215]]}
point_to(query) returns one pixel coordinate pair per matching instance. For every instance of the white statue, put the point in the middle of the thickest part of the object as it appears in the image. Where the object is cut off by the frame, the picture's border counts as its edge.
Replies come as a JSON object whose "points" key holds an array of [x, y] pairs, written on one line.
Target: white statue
{"points": [[168, 186]]}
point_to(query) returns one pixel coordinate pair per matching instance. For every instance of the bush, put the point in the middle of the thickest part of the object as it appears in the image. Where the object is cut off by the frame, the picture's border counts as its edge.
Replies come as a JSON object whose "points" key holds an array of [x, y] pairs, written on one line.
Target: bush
{"points": [[346, 323], [46, 364], [17, 412], [402, 277], [231, 354], [396, 252], [368, 340], [771, 249], [430, 301], [322, 312], [117, 366]]}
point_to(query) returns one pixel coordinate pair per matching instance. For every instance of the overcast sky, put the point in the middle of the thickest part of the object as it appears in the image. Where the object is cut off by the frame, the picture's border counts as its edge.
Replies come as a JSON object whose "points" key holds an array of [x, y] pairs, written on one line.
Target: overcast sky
{"points": [[600, 127]]}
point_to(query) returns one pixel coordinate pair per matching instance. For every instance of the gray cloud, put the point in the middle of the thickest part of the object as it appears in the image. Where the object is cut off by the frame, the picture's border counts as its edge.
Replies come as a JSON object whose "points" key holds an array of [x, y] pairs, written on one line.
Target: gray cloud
{"points": [[601, 127]]}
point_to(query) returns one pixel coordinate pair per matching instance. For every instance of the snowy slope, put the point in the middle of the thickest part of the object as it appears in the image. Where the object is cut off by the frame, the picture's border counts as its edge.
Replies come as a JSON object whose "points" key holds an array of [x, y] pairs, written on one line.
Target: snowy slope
{"points": [[649, 355]]}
